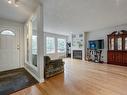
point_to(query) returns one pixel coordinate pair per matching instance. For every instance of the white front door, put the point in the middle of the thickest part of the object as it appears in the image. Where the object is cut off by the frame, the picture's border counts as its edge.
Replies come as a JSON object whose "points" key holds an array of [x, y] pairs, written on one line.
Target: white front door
{"points": [[9, 49]]}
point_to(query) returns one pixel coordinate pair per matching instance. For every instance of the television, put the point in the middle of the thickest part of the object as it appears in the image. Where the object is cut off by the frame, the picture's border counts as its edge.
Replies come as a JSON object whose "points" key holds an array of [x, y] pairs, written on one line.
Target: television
{"points": [[96, 44]]}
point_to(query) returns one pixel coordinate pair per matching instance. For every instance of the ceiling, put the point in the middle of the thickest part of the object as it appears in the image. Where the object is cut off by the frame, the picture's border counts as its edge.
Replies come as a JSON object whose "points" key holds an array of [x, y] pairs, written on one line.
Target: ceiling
{"points": [[72, 16], [19, 14]]}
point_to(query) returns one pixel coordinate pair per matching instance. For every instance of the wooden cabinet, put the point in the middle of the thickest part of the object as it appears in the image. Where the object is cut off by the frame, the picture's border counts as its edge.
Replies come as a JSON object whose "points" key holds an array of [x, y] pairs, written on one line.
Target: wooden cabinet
{"points": [[124, 58], [111, 57], [117, 48]]}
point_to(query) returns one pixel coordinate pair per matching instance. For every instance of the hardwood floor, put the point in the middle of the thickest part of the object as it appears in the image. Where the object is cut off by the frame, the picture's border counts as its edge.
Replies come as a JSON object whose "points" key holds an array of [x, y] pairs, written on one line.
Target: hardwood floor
{"points": [[83, 78]]}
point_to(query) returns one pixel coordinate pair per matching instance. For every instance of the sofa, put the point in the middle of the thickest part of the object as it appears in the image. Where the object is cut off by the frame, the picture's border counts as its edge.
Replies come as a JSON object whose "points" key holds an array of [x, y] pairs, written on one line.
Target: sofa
{"points": [[52, 67]]}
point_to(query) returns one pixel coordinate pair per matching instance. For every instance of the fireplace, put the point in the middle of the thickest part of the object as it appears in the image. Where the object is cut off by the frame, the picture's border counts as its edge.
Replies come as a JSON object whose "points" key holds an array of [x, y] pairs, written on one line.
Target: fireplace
{"points": [[77, 54]]}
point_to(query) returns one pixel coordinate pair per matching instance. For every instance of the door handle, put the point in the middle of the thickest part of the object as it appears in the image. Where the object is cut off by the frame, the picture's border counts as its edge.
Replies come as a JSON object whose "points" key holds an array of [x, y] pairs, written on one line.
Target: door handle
{"points": [[18, 46]]}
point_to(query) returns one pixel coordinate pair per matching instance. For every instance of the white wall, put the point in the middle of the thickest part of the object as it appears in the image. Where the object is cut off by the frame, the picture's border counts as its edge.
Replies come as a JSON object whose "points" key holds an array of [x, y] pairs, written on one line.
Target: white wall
{"points": [[18, 27], [55, 55], [102, 34]]}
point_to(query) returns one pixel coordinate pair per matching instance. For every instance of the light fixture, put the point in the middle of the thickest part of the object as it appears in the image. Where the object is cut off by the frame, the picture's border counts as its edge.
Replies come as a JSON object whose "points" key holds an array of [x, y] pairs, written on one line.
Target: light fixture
{"points": [[14, 2], [9, 1], [16, 5]]}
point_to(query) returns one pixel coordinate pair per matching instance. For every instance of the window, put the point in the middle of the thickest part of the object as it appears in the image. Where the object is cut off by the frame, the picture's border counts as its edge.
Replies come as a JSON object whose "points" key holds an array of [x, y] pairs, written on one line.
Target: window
{"points": [[50, 45], [61, 45], [7, 33]]}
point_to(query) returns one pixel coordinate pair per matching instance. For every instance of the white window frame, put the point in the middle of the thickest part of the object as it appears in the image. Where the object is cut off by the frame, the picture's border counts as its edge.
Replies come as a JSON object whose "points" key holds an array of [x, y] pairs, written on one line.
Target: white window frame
{"points": [[58, 45], [53, 38]]}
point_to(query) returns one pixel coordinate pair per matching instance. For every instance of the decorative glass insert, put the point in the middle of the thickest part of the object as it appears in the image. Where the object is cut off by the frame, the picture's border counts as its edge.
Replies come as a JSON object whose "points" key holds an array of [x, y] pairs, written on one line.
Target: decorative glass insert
{"points": [[34, 45], [126, 43], [34, 41], [61, 45], [7, 33], [27, 46], [119, 43], [112, 44], [50, 45]]}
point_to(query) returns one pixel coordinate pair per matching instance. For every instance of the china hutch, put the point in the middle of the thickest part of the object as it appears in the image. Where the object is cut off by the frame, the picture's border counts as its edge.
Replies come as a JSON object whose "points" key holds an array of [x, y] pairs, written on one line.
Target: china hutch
{"points": [[117, 48]]}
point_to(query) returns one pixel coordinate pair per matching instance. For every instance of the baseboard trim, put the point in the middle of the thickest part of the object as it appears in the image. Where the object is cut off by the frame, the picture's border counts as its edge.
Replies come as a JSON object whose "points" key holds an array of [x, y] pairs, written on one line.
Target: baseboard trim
{"points": [[39, 80], [32, 74]]}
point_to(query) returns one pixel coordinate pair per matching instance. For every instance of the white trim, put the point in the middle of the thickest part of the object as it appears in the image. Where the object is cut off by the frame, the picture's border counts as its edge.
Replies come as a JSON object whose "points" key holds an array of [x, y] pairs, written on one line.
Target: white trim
{"points": [[32, 66], [33, 74], [41, 80]]}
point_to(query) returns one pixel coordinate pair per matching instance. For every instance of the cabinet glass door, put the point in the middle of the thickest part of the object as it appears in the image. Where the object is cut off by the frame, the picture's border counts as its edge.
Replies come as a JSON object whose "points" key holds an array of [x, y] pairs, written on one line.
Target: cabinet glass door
{"points": [[126, 43], [112, 44], [109, 45], [119, 43]]}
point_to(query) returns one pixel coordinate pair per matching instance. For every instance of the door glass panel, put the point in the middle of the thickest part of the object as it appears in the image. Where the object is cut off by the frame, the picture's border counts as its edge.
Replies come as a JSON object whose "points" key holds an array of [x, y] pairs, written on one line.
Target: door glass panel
{"points": [[126, 43], [7, 33], [119, 43], [34, 42]]}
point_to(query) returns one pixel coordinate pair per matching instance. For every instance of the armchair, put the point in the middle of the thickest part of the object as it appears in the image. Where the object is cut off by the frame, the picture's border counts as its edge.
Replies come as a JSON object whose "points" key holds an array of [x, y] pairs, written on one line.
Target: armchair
{"points": [[52, 67]]}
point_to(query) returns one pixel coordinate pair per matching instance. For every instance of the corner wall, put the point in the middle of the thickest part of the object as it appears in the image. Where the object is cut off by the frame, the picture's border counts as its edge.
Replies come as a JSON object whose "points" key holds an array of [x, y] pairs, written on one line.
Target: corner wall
{"points": [[37, 72]]}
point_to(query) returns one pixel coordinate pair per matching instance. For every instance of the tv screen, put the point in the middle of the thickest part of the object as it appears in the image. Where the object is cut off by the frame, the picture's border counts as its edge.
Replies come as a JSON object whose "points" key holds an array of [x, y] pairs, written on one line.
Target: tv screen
{"points": [[96, 44], [92, 44]]}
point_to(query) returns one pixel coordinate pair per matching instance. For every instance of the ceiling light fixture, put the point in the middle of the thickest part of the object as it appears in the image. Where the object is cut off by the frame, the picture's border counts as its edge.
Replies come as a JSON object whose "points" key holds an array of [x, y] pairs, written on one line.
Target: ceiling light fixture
{"points": [[14, 2], [16, 5], [9, 1]]}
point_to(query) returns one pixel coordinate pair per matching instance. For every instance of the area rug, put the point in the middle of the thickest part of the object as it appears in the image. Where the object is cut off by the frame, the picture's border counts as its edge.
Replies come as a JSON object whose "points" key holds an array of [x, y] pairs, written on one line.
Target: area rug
{"points": [[15, 80]]}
